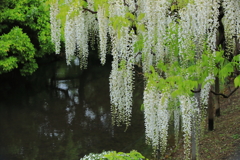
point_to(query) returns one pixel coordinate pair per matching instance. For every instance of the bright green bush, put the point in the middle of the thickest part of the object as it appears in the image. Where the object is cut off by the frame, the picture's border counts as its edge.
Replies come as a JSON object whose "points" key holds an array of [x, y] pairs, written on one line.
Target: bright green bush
{"points": [[113, 155]]}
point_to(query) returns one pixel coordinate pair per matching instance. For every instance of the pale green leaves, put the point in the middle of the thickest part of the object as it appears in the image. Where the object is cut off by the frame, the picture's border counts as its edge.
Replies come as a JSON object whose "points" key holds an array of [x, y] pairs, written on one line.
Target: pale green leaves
{"points": [[237, 81], [179, 4], [133, 155]]}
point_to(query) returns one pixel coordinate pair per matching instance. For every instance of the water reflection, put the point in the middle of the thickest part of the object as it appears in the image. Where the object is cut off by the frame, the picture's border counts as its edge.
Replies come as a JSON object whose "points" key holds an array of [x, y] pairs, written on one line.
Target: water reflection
{"points": [[64, 113]]}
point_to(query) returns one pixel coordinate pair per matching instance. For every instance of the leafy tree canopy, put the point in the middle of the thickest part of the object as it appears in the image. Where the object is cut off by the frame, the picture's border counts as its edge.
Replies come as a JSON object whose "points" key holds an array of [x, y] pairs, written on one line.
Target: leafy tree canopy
{"points": [[24, 34]]}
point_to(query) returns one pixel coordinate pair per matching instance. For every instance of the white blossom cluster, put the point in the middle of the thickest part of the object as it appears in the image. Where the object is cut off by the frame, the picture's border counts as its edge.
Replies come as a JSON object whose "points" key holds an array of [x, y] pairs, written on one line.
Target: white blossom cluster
{"points": [[131, 4], [157, 116], [151, 101], [163, 115], [121, 81], [76, 37], [231, 23], [176, 125], [156, 23], [70, 38], [80, 28], [121, 88], [193, 25], [204, 95], [122, 74], [55, 26], [199, 19], [186, 28], [92, 25], [103, 30], [188, 106], [213, 24], [95, 156], [82, 38]]}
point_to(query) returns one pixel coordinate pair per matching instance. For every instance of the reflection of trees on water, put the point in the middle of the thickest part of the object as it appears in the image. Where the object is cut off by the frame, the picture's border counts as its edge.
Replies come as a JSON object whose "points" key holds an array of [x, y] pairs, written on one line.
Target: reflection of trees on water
{"points": [[65, 116]]}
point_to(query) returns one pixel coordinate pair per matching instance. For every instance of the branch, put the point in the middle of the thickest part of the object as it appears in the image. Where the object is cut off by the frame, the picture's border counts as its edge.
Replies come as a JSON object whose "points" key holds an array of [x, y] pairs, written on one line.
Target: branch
{"points": [[218, 94], [86, 9], [125, 4], [196, 91], [224, 96], [137, 54]]}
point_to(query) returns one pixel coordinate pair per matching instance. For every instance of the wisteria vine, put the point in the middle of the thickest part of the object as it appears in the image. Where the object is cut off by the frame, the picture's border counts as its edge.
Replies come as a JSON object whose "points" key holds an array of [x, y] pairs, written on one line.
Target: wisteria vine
{"points": [[175, 43]]}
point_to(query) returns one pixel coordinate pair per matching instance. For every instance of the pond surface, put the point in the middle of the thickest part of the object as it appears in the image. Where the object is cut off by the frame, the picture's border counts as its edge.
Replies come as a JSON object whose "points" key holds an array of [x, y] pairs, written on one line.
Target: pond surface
{"points": [[62, 112]]}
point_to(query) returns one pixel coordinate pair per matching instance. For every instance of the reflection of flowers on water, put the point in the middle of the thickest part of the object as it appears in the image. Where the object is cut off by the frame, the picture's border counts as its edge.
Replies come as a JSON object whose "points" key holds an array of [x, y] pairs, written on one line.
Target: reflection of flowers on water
{"points": [[45, 106], [70, 114], [89, 113], [62, 84]]}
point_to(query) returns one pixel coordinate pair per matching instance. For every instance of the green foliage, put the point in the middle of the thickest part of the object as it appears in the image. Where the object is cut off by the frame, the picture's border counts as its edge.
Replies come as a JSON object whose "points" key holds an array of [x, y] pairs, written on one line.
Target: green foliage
{"points": [[98, 3], [139, 45], [237, 81], [118, 22], [113, 155], [133, 155], [236, 136], [179, 4], [24, 34], [17, 49]]}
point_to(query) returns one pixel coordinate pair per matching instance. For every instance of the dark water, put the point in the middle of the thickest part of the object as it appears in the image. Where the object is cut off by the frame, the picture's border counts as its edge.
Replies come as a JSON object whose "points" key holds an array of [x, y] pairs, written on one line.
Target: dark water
{"points": [[64, 113]]}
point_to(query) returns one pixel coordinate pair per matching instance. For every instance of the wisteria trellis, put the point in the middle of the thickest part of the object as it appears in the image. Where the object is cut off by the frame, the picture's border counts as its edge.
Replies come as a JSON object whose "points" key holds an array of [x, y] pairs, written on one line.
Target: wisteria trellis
{"points": [[168, 38]]}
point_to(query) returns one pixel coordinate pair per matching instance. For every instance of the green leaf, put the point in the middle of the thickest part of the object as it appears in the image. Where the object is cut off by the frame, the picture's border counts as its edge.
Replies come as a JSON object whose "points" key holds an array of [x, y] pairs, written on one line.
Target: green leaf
{"points": [[237, 81], [173, 7], [236, 58], [226, 70], [130, 15], [140, 16]]}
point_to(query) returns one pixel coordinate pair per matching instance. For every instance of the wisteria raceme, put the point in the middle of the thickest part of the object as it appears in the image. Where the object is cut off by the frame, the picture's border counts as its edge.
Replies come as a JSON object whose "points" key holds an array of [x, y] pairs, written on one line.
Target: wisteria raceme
{"points": [[163, 22], [199, 19], [151, 103], [176, 125], [121, 83], [116, 8], [187, 110], [150, 20], [131, 4], [163, 115], [231, 23], [55, 26], [82, 39], [237, 12], [121, 94], [206, 89], [103, 30], [70, 39], [213, 24]]}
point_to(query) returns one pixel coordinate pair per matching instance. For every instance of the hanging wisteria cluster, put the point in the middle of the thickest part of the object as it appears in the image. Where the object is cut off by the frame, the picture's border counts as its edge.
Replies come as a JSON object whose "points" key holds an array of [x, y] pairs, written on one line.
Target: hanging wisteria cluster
{"points": [[231, 23], [168, 38], [156, 115], [55, 26]]}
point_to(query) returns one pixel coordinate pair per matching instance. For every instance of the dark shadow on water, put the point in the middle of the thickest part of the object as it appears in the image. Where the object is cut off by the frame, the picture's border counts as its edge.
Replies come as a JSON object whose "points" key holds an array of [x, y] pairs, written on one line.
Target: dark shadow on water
{"points": [[61, 112]]}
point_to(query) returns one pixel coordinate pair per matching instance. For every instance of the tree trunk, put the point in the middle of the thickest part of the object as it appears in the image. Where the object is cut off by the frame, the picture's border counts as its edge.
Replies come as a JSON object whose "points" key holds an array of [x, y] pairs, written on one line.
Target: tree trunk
{"points": [[217, 104], [211, 111], [195, 129]]}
